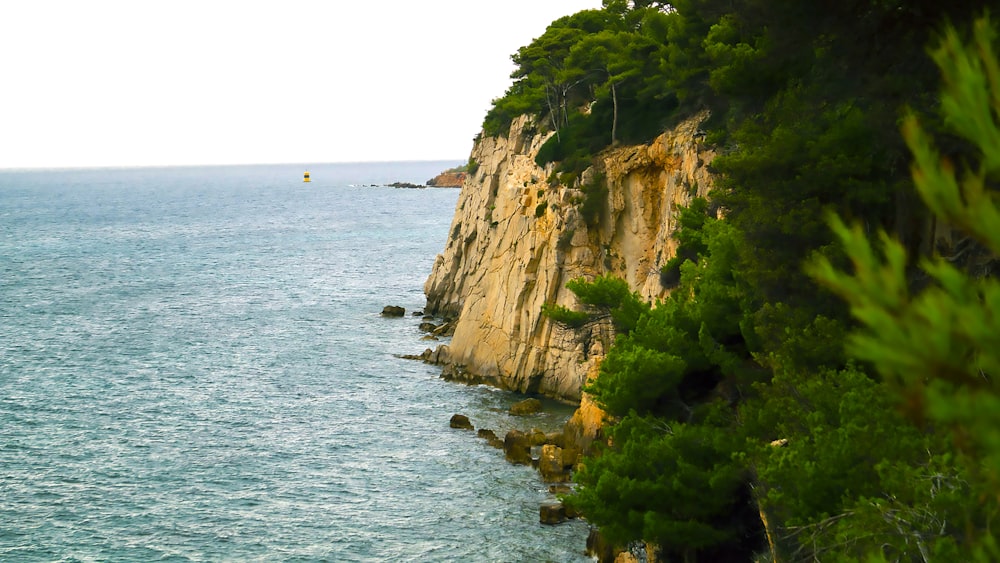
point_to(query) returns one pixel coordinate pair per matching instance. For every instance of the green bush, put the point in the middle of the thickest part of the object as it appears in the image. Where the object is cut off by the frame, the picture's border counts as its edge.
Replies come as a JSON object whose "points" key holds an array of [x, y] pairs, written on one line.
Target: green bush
{"points": [[564, 315]]}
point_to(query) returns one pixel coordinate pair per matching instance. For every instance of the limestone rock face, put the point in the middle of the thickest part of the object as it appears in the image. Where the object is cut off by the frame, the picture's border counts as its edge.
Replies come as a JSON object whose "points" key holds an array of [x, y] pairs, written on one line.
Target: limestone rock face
{"points": [[516, 240]]}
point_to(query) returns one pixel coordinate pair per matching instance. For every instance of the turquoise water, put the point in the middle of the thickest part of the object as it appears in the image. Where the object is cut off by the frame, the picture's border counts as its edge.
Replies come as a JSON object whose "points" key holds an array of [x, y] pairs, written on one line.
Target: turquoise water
{"points": [[193, 368]]}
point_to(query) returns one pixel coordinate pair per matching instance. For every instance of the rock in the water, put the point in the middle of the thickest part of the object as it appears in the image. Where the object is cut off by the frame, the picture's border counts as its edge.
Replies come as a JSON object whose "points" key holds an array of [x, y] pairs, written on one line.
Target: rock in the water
{"points": [[525, 407], [460, 421], [552, 513], [598, 546], [517, 447], [491, 437], [550, 464], [560, 489], [393, 311], [536, 437], [427, 326]]}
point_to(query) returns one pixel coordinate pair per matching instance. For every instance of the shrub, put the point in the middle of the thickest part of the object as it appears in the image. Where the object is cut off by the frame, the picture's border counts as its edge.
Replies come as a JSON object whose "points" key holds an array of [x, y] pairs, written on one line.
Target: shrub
{"points": [[564, 315]]}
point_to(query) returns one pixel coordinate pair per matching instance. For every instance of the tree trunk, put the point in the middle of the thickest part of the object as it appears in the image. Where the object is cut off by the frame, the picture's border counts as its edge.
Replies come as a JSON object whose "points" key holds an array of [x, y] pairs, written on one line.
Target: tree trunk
{"points": [[614, 119], [553, 111]]}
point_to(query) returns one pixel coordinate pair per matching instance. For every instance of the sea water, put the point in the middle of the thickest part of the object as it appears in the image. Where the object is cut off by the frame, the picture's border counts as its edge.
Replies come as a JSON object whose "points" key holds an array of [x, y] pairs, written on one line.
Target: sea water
{"points": [[193, 367]]}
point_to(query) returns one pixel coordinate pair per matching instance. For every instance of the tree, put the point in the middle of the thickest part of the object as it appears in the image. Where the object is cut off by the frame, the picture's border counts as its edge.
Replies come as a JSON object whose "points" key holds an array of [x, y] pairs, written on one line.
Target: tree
{"points": [[938, 348]]}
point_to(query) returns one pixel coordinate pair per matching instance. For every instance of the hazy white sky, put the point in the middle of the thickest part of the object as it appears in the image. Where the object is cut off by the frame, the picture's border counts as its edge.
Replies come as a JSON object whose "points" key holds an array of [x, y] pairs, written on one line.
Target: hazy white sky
{"points": [[126, 83]]}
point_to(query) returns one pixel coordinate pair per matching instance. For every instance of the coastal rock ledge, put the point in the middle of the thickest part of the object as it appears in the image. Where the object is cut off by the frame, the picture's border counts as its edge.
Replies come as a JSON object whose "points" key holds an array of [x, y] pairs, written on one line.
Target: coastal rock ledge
{"points": [[516, 240]]}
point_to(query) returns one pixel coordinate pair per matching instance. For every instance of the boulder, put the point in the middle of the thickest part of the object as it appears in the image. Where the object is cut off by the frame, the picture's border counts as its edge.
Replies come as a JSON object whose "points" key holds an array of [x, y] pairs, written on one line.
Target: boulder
{"points": [[599, 547], [490, 437], [536, 437], [552, 512], [570, 455], [561, 489], [556, 438], [517, 447], [525, 407], [427, 326], [460, 421], [393, 311], [550, 464]]}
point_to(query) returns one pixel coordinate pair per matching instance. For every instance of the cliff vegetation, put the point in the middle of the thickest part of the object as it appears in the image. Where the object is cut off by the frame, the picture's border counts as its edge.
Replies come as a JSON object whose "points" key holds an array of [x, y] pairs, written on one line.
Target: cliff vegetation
{"points": [[794, 391]]}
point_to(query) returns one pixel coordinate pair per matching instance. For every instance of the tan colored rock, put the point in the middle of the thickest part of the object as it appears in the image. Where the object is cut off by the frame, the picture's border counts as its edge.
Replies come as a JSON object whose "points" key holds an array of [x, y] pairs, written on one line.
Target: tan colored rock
{"points": [[551, 513], [525, 407], [517, 447], [501, 262], [585, 426], [550, 464], [447, 179]]}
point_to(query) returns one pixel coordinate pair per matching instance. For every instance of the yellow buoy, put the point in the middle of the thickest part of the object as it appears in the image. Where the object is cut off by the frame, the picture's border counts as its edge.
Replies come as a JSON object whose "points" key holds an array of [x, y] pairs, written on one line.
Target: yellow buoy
{"points": [[306, 177]]}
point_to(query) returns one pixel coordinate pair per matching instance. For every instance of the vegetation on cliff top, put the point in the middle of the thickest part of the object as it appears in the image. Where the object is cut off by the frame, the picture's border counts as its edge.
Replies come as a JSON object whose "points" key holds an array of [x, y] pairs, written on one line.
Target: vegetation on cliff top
{"points": [[736, 397]]}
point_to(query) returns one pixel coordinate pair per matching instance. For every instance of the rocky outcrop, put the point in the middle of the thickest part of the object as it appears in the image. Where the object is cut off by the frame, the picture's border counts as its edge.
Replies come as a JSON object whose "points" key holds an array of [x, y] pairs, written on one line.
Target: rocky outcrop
{"points": [[516, 239], [447, 179]]}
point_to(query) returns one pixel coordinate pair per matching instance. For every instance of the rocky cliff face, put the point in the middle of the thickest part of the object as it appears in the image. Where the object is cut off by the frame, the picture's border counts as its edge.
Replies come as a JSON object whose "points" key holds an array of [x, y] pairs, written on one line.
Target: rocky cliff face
{"points": [[516, 240]]}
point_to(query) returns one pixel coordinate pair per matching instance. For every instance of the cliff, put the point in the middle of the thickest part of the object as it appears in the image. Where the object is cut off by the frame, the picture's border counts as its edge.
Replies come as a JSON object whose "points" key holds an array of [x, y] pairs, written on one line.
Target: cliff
{"points": [[516, 240]]}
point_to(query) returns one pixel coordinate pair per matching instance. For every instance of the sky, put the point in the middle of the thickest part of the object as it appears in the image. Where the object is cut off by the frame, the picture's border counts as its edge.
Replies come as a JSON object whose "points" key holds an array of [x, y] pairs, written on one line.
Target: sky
{"points": [[150, 83]]}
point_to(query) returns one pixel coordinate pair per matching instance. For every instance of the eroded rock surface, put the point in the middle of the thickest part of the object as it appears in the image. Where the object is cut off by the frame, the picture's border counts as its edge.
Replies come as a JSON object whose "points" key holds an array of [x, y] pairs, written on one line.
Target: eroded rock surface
{"points": [[516, 240]]}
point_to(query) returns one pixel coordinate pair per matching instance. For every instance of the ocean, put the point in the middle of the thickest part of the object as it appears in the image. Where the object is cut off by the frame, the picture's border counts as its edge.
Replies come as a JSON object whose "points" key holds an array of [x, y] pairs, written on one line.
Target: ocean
{"points": [[193, 367]]}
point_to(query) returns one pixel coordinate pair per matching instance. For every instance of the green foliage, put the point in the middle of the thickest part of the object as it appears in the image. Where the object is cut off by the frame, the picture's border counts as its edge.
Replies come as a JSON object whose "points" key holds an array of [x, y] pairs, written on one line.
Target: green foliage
{"points": [[613, 296], [690, 222], [540, 209], [564, 315], [892, 446], [594, 79], [472, 166], [669, 476], [938, 349], [839, 426], [610, 297], [669, 484]]}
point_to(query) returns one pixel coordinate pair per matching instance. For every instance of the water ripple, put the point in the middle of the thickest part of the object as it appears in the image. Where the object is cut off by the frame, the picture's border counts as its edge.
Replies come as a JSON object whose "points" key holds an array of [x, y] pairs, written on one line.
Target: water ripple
{"points": [[193, 368]]}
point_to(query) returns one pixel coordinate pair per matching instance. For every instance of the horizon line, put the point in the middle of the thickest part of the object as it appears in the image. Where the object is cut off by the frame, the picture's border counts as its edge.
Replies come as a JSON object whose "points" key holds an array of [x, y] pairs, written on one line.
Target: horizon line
{"points": [[205, 165]]}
